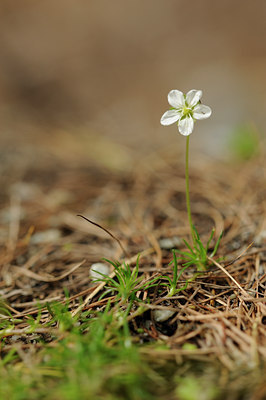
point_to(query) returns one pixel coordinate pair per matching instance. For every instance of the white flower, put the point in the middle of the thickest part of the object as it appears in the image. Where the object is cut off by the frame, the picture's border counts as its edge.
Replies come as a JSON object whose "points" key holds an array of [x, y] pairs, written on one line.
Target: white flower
{"points": [[186, 108]]}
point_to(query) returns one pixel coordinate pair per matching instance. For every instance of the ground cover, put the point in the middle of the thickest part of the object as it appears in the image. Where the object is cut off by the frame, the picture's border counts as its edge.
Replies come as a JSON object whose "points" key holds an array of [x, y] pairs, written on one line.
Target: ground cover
{"points": [[64, 337]]}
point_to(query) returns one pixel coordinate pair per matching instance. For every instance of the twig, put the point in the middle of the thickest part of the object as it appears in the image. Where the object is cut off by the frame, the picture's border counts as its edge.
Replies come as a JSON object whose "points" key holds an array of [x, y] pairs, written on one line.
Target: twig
{"points": [[105, 230], [230, 276]]}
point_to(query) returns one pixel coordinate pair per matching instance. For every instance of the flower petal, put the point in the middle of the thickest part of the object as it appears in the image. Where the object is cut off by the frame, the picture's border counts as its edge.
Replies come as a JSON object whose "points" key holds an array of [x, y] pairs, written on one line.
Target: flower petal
{"points": [[193, 97], [186, 125], [170, 117], [202, 112], [176, 99]]}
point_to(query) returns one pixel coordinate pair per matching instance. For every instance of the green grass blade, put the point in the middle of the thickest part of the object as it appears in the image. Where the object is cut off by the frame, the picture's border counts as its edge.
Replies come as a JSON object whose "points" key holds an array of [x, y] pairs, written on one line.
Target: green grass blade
{"points": [[189, 247], [217, 245], [210, 239], [197, 236]]}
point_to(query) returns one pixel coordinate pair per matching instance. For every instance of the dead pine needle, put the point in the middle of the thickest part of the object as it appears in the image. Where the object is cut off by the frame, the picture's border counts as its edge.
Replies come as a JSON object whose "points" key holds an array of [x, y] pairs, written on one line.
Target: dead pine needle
{"points": [[105, 230]]}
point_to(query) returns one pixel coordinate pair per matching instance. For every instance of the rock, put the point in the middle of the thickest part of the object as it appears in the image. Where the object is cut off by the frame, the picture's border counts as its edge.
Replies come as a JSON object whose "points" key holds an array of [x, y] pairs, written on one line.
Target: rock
{"points": [[25, 191], [260, 239], [97, 269], [170, 243], [48, 236], [162, 315]]}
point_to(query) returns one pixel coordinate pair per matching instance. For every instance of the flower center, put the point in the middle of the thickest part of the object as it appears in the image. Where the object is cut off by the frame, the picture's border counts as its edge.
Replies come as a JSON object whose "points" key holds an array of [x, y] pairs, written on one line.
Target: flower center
{"points": [[187, 112]]}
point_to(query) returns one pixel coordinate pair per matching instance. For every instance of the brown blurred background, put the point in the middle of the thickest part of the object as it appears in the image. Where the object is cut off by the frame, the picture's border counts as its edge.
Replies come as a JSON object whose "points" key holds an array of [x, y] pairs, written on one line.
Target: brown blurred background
{"points": [[102, 69]]}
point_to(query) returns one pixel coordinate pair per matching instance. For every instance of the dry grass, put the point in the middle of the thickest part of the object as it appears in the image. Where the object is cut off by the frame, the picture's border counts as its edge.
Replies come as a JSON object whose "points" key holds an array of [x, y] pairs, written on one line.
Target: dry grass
{"points": [[221, 313]]}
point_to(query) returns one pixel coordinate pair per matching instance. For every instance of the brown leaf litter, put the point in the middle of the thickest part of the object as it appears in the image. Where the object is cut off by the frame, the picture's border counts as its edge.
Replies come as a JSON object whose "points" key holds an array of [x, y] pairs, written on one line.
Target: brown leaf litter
{"points": [[46, 248]]}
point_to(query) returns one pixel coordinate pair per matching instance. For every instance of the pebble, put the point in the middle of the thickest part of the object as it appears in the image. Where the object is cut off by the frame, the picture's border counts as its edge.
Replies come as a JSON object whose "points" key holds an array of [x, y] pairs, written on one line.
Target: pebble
{"points": [[99, 267], [25, 191], [48, 236], [162, 315], [170, 243], [260, 239]]}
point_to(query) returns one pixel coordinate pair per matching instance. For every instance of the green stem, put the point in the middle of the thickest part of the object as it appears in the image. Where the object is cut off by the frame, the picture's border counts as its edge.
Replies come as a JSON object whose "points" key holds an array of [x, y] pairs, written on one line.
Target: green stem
{"points": [[187, 193]]}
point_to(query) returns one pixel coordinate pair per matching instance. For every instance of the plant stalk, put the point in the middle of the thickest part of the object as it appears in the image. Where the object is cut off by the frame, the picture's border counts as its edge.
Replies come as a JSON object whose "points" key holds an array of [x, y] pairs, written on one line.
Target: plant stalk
{"points": [[187, 192]]}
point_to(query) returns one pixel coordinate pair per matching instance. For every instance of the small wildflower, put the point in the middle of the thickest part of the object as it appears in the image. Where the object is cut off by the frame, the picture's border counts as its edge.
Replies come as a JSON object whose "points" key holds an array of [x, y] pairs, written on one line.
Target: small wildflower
{"points": [[185, 109]]}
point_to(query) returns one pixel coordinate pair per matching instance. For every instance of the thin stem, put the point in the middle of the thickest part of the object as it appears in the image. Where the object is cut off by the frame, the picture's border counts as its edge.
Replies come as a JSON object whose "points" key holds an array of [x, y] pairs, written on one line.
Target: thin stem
{"points": [[187, 192], [175, 270]]}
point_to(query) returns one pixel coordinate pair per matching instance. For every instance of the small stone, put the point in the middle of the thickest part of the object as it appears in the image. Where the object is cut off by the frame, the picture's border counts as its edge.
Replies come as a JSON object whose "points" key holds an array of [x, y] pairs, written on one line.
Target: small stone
{"points": [[48, 236], [162, 315], [170, 243], [260, 239], [14, 338], [97, 269], [59, 197], [25, 191]]}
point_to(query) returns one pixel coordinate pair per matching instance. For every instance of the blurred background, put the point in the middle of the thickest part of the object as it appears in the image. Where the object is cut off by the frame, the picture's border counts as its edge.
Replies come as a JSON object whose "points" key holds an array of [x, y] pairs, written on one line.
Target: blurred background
{"points": [[97, 73]]}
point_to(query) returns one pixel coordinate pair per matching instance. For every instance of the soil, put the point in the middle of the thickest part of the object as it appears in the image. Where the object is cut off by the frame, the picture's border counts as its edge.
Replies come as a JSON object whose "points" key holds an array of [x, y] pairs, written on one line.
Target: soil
{"points": [[47, 250]]}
